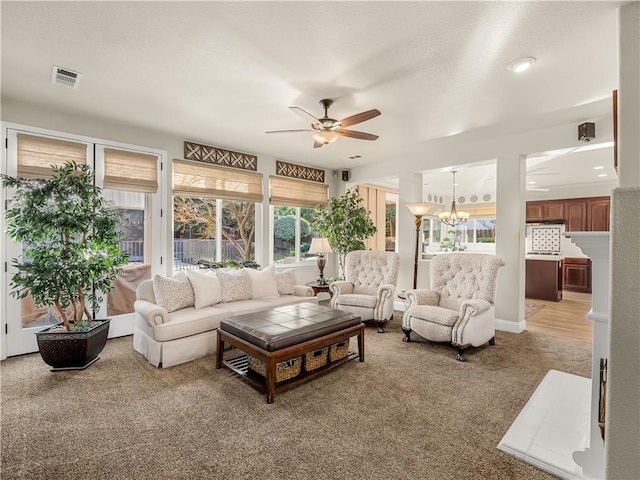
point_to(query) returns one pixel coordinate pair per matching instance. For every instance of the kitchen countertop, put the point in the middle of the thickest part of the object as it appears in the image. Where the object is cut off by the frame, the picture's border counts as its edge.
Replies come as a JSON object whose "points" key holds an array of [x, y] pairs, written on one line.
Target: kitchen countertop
{"points": [[548, 258]]}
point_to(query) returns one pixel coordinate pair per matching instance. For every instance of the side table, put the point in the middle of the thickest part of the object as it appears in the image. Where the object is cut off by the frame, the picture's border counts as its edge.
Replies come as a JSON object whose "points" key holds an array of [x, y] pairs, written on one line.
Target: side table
{"points": [[319, 287]]}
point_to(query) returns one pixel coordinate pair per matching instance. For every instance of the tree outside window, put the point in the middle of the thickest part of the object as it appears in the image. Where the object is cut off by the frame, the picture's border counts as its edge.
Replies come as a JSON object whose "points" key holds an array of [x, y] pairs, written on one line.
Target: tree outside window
{"points": [[292, 233], [212, 230]]}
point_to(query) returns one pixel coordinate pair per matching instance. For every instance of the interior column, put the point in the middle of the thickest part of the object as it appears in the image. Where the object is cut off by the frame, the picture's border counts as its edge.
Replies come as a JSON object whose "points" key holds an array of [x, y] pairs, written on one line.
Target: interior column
{"points": [[510, 228]]}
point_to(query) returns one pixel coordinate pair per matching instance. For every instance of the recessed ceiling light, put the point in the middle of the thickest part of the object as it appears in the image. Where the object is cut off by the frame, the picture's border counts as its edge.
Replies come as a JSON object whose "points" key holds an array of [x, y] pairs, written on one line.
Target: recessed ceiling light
{"points": [[600, 167], [531, 183], [603, 175], [521, 64]]}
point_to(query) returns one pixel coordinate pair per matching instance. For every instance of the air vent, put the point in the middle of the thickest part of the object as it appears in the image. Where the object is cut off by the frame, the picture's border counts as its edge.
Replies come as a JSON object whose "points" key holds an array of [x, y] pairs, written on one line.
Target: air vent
{"points": [[65, 77]]}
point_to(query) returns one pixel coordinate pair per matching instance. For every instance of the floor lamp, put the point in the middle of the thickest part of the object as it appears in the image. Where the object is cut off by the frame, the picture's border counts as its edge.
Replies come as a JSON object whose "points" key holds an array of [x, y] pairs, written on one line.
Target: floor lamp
{"points": [[419, 210]]}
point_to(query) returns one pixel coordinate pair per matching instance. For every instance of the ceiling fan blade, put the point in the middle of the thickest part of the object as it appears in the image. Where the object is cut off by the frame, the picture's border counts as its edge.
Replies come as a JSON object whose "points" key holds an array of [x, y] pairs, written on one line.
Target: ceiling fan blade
{"points": [[305, 115], [291, 131], [355, 134], [359, 117], [317, 144]]}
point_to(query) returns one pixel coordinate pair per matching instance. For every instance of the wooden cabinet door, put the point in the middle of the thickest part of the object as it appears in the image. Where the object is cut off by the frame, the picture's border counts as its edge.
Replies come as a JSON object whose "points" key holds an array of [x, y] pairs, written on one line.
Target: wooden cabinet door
{"points": [[534, 211], [576, 275], [575, 215], [598, 214], [554, 210]]}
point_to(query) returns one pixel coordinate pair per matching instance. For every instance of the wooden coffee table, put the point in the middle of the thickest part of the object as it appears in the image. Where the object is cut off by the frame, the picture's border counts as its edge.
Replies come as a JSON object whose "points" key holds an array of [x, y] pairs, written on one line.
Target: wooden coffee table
{"points": [[284, 333]]}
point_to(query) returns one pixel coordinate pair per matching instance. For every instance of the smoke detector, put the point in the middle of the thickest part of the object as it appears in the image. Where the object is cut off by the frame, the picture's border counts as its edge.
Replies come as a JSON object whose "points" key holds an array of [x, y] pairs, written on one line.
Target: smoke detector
{"points": [[65, 77]]}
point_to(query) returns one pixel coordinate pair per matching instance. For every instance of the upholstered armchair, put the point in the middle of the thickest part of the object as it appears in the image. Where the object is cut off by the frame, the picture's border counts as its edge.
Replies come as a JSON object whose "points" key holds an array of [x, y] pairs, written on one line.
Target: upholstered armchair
{"points": [[369, 285], [459, 306]]}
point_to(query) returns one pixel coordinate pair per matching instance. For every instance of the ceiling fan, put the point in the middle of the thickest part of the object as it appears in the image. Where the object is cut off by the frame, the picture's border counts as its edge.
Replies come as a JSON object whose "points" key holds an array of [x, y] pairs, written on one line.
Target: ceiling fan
{"points": [[327, 130]]}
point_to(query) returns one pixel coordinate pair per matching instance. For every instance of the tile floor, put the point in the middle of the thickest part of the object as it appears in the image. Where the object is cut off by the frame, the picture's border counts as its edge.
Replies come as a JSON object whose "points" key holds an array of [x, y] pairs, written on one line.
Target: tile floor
{"points": [[553, 426]]}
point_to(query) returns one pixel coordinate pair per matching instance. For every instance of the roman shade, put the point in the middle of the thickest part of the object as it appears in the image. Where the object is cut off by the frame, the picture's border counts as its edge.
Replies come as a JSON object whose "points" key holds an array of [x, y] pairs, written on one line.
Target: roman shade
{"points": [[37, 154], [130, 171], [296, 193], [197, 179]]}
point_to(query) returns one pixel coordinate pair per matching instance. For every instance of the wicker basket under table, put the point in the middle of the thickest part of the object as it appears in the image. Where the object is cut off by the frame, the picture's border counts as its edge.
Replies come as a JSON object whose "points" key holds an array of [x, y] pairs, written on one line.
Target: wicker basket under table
{"points": [[338, 350], [284, 370], [314, 360]]}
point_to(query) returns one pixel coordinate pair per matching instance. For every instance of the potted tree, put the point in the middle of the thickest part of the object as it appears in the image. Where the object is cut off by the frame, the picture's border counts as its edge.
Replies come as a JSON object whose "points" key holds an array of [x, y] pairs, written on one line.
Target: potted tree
{"points": [[71, 255], [346, 223]]}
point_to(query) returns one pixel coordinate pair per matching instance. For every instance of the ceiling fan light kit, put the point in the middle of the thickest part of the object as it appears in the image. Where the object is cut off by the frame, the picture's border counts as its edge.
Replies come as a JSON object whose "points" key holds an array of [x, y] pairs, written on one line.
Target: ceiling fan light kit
{"points": [[327, 130]]}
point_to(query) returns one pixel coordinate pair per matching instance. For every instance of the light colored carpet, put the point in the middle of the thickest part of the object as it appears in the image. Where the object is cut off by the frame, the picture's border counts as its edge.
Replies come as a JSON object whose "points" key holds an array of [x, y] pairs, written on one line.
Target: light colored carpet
{"points": [[409, 411], [531, 309]]}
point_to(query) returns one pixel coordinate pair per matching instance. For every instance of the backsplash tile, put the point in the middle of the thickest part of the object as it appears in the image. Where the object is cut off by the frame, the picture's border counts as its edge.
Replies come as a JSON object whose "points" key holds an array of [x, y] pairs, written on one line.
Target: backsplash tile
{"points": [[545, 239]]}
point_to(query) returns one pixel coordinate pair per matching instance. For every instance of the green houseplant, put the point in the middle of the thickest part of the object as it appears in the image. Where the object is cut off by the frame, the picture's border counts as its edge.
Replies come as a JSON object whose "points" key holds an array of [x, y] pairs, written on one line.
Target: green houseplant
{"points": [[71, 255], [346, 223]]}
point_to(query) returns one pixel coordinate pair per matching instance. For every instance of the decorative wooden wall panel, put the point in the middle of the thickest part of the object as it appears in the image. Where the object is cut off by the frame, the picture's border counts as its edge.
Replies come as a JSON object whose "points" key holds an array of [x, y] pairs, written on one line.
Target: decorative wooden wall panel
{"points": [[219, 156], [298, 171]]}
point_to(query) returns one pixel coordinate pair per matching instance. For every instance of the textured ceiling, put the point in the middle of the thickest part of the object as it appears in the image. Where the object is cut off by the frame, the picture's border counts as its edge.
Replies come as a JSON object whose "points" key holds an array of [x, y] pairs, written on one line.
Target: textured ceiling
{"points": [[225, 72]]}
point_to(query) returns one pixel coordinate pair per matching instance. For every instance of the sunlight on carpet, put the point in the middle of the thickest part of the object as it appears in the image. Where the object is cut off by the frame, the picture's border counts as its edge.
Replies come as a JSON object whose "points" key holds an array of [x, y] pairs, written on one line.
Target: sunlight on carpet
{"points": [[531, 308]]}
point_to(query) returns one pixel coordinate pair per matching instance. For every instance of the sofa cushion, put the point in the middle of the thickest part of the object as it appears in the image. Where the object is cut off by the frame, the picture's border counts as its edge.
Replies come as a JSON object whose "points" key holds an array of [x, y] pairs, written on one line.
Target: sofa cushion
{"points": [[286, 300], [189, 321], [431, 313], [173, 293], [206, 287], [286, 281], [236, 285], [263, 282], [356, 300]]}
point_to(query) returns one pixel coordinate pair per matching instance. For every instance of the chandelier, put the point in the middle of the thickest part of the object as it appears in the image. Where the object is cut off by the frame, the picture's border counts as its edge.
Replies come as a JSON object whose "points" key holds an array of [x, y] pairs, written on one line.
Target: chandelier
{"points": [[453, 217]]}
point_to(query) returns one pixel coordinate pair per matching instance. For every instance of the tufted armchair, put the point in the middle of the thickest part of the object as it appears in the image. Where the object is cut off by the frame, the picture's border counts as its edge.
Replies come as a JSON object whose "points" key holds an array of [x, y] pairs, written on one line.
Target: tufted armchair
{"points": [[459, 307], [368, 287]]}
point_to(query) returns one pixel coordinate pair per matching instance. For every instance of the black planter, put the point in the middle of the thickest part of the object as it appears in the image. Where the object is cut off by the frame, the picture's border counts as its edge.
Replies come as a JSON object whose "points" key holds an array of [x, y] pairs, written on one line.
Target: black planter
{"points": [[72, 350]]}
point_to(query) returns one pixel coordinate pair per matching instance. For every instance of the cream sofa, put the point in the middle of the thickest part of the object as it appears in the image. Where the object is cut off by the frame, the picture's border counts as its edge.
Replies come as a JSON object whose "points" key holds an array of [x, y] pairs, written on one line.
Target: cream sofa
{"points": [[167, 336]]}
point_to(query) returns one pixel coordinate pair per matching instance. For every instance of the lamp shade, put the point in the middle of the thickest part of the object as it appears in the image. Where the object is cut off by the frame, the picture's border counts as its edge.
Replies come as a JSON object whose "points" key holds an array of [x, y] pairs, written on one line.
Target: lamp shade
{"points": [[319, 245], [419, 209]]}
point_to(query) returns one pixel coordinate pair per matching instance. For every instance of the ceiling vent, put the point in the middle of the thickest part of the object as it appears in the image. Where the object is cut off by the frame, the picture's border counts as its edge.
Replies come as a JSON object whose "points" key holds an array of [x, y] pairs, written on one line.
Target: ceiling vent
{"points": [[65, 77]]}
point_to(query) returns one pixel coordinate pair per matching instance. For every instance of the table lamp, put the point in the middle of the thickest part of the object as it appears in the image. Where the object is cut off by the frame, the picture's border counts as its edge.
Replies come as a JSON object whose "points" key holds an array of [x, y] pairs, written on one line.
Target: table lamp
{"points": [[320, 246]]}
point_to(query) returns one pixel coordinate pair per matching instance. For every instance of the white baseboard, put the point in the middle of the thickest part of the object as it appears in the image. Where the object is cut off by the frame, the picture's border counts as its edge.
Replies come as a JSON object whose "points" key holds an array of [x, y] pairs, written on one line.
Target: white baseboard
{"points": [[509, 326]]}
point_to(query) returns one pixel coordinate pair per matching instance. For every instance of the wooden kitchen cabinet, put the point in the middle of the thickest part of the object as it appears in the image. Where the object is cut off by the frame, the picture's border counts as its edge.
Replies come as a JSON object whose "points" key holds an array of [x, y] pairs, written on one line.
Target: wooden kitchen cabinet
{"points": [[575, 215], [598, 216], [576, 275], [548, 210], [543, 280], [589, 214]]}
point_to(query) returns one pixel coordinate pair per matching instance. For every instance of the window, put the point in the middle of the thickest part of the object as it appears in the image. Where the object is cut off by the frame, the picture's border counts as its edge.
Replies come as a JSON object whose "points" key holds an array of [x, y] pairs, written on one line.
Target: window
{"points": [[214, 214], [130, 180], [292, 233], [293, 205], [474, 230]]}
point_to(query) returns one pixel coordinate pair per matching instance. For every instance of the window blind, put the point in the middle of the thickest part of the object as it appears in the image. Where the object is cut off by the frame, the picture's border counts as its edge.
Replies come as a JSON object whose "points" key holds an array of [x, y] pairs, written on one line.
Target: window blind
{"points": [[197, 179], [130, 171], [37, 154], [296, 193]]}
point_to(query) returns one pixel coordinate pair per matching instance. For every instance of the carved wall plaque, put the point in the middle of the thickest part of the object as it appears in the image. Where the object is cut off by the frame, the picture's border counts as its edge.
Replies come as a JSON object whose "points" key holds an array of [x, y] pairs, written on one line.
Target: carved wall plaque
{"points": [[219, 156], [298, 171]]}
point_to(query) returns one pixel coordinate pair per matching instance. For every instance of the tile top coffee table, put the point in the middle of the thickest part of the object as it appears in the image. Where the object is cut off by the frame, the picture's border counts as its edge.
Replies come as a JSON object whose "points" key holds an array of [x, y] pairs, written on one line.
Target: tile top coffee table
{"points": [[276, 336]]}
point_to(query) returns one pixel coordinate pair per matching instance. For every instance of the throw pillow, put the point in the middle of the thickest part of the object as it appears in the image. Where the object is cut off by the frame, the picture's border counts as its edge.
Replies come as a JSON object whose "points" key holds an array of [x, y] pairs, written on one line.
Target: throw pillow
{"points": [[236, 285], [286, 281], [206, 287], [173, 293], [263, 282]]}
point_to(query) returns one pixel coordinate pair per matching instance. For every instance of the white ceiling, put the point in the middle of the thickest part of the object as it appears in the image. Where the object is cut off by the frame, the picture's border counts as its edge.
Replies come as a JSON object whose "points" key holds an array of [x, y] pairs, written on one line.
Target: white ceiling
{"points": [[225, 72]]}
